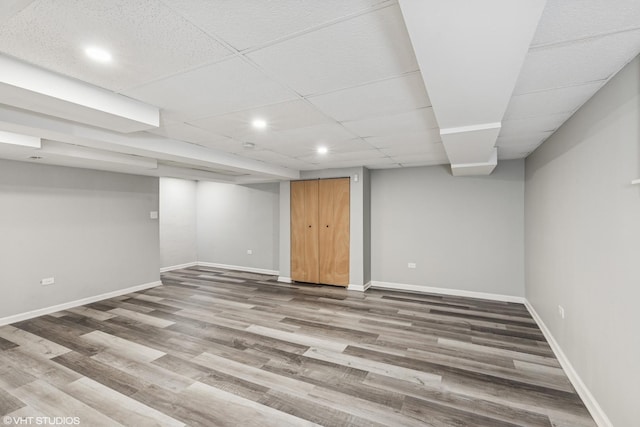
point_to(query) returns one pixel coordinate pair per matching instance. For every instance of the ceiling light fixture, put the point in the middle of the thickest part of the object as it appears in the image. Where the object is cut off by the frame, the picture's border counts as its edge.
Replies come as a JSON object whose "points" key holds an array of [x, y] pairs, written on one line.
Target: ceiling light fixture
{"points": [[259, 123], [248, 145], [323, 150], [98, 54]]}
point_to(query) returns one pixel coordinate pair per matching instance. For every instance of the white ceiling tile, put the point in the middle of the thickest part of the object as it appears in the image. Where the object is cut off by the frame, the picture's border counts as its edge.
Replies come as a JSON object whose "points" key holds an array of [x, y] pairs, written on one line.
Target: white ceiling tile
{"points": [[147, 40], [333, 157], [436, 149], [227, 86], [533, 124], [520, 140], [406, 139], [394, 95], [275, 158], [186, 132], [579, 62], [279, 117], [248, 24], [420, 120], [553, 101], [325, 133], [569, 20], [303, 149], [363, 49]]}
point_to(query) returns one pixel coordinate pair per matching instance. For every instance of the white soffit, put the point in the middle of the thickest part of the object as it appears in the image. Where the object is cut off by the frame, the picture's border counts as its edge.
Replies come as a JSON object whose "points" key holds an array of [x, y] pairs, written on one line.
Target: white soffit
{"points": [[34, 89], [19, 139], [470, 55]]}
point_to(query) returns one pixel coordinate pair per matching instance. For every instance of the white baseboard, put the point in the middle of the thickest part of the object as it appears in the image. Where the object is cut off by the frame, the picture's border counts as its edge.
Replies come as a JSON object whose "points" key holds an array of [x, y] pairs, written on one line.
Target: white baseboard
{"points": [[446, 291], [596, 411], [284, 279], [64, 306], [239, 268], [179, 266], [359, 288]]}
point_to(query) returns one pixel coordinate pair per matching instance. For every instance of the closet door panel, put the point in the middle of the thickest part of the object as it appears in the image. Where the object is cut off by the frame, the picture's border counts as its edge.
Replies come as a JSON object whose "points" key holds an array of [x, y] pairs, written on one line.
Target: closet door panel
{"points": [[334, 231], [304, 231], [311, 249]]}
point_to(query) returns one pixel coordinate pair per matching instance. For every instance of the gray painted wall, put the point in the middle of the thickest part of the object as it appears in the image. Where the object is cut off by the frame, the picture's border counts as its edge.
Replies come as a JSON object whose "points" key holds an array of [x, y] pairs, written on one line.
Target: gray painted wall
{"points": [[90, 230], [583, 242], [234, 218], [178, 226], [464, 233]]}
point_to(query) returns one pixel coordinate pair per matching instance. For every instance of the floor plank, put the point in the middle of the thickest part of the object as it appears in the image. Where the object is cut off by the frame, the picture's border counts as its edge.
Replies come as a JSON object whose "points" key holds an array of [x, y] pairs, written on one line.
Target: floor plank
{"points": [[220, 347]]}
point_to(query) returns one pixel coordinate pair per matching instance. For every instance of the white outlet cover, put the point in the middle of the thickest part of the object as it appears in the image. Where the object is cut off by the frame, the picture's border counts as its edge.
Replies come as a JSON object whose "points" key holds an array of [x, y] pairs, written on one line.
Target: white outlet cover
{"points": [[47, 281], [153, 214], [411, 265], [249, 252]]}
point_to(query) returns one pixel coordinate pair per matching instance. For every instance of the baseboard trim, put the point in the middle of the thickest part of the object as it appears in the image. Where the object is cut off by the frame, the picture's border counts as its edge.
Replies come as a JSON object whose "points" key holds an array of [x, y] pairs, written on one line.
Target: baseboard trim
{"points": [[179, 266], [359, 288], [445, 291], [284, 279], [64, 306], [239, 268], [594, 408]]}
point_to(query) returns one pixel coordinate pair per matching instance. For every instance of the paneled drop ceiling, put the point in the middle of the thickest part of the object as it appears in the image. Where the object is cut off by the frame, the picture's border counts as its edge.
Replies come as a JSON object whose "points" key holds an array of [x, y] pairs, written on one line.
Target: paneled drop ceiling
{"points": [[189, 76]]}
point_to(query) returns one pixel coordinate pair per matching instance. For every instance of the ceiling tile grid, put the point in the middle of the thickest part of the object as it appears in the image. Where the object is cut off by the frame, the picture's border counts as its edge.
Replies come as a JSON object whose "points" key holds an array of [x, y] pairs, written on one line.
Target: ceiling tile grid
{"points": [[246, 25], [366, 48], [147, 40]]}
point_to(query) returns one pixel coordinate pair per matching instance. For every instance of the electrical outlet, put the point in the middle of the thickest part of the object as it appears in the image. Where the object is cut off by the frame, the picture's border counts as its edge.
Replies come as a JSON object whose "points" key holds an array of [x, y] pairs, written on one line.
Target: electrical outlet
{"points": [[153, 215], [561, 311], [47, 281], [411, 265], [249, 252]]}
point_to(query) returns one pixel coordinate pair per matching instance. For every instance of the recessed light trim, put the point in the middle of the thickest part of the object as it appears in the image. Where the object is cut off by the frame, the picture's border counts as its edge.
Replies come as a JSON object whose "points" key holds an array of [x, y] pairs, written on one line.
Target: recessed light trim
{"points": [[323, 150], [259, 124], [248, 145], [98, 54]]}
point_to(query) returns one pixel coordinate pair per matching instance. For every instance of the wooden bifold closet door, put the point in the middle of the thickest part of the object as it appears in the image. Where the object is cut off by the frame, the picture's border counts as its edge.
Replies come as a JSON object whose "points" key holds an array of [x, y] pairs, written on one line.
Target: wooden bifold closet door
{"points": [[320, 231]]}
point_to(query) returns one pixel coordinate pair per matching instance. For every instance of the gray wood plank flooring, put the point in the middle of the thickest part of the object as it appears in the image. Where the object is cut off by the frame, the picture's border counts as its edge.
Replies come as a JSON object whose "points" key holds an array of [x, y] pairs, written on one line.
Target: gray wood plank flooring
{"points": [[213, 347]]}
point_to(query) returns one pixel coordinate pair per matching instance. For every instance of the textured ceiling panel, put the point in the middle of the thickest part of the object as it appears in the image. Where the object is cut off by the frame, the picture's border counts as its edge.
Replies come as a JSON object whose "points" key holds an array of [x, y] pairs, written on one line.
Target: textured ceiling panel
{"points": [[419, 120], [282, 116], [415, 150], [308, 148], [394, 95], [247, 24], [363, 49], [552, 101], [576, 63], [523, 139], [147, 40], [224, 87], [406, 139], [564, 20], [533, 124], [317, 134], [186, 132]]}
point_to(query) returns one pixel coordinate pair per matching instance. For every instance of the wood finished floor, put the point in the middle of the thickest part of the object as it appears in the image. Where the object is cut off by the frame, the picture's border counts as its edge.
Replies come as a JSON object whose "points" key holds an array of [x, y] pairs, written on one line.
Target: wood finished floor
{"points": [[218, 347]]}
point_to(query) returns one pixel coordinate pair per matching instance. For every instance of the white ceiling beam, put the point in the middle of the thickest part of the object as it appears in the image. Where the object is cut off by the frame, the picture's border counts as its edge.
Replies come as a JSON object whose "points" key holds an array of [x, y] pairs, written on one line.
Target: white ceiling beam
{"points": [[19, 139], [470, 54], [146, 145], [35, 89]]}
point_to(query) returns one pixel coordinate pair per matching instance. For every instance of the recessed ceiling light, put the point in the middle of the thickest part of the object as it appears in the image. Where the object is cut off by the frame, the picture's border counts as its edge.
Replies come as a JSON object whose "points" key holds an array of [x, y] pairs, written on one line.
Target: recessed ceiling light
{"points": [[323, 150], [248, 145], [259, 123], [98, 54]]}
